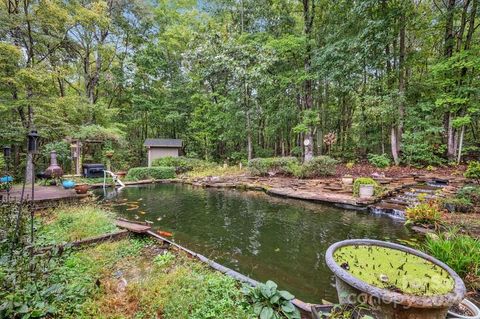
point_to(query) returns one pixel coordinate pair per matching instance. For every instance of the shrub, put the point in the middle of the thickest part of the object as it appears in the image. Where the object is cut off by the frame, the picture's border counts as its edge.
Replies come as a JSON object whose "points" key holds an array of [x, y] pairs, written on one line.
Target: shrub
{"points": [[379, 160], [473, 171], [364, 181], [181, 164], [471, 193], [424, 213], [140, 173], [319, 166], [418, 149], [268, 302], [273, 165], [461, 252], [457, 205]]}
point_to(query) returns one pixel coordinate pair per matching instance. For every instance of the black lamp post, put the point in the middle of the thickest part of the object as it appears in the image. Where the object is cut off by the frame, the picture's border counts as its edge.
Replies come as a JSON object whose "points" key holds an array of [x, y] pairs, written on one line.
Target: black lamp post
{"points": [[33, 138], [7, 152]]}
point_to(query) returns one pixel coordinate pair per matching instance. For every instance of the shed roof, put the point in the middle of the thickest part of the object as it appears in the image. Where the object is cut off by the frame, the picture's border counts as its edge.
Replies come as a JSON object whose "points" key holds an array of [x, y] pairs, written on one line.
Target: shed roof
{"points": [[162, 142]]}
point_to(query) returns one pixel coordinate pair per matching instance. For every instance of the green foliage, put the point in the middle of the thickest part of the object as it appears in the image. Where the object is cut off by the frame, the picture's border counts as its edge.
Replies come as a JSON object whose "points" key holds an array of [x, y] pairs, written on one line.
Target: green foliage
{"points": [[269, 302], [419, 151], [364, 181], [182, 164], [75, 223], [191, 290], [2, 164], [379, 160], [473, 171], [460, 252], [273, 166], [319, 166], [424, 213], [457, 205], [164, 260], [142, 173], [470, 193]]}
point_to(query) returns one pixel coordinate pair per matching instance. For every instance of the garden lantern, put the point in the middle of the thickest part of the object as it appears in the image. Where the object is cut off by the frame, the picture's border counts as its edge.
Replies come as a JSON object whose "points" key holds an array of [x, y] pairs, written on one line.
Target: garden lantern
{"points": [[33, 141], [7, 151]]}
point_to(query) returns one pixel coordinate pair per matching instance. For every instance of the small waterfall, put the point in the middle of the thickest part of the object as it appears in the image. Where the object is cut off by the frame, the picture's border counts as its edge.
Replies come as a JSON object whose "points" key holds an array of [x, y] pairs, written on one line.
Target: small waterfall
{"points": [[396, 205]]}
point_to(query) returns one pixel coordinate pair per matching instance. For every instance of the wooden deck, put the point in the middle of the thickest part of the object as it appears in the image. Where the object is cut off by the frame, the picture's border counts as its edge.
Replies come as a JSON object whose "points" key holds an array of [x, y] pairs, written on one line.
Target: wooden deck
{"points": [[42, 193]]}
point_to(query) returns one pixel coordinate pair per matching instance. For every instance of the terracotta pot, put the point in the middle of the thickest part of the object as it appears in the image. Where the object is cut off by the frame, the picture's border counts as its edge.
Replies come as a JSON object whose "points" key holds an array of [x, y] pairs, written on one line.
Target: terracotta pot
{"points": [[81, 189]]}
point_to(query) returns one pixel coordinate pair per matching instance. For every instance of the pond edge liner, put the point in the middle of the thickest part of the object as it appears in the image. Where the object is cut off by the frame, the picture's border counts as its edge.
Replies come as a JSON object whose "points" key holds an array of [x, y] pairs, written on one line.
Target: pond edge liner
{"points": [[118, 235], [301, 305]]}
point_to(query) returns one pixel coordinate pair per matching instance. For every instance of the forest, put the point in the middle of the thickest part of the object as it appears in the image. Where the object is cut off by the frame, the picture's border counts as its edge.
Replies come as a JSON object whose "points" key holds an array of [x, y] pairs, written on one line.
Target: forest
{"points": [[240, 79]]}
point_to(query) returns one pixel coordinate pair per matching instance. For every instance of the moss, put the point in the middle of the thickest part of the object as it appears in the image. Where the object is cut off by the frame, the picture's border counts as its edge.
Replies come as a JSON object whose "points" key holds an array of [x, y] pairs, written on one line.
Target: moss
{"points": [[395, 270]]}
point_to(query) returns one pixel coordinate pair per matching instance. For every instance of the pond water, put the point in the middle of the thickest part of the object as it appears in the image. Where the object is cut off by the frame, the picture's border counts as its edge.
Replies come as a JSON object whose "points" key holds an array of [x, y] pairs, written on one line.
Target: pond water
{"points": [[255, 234]]}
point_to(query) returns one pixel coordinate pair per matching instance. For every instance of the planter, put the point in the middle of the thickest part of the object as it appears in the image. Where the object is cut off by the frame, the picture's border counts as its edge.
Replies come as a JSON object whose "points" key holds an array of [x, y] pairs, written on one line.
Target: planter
{"points": [[347, 180], [366, 191], [465, 310], [400, 280], [82, 188], [6, 179], [68, 184]]}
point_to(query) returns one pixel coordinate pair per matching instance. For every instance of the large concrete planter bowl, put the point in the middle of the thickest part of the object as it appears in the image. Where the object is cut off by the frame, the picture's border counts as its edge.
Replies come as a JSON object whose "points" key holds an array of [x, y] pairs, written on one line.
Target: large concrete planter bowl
{"points": [[386, 303]]}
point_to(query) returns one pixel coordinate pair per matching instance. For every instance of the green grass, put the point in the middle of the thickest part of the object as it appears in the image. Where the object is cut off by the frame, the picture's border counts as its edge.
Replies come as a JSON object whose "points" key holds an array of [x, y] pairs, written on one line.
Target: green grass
{"points": [[179, 288], [69, 223]]}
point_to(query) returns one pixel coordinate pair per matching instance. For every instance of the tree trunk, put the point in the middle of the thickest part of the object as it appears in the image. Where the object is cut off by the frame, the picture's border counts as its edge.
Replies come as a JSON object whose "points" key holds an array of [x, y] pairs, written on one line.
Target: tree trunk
{"points": [[308, 16], [397, 129], [249, 137], [308, 144], [448, 51]]}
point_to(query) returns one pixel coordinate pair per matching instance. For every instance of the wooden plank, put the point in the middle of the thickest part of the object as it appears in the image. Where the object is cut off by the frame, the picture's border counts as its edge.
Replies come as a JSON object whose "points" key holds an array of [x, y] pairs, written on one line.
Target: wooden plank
{"points": [[134, 227]]}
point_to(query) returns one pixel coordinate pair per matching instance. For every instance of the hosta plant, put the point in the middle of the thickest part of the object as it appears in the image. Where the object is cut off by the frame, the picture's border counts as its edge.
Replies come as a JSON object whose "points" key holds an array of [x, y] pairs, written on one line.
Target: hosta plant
{"points": [[271, 303]]}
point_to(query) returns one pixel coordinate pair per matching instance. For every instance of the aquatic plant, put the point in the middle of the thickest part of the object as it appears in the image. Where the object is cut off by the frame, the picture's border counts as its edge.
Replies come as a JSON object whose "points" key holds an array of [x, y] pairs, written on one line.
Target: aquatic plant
{"points": [[460, 252], [269, 302], [394, 269]]}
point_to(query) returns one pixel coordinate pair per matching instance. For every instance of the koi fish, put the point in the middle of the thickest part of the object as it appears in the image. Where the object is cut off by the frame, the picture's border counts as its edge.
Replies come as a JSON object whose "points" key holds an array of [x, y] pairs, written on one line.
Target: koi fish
{"points": [[164, 233]]}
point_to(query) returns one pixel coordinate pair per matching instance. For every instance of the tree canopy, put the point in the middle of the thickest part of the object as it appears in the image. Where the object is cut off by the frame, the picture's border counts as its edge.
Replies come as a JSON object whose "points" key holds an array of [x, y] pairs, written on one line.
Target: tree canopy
{"points": [[237, 79]]}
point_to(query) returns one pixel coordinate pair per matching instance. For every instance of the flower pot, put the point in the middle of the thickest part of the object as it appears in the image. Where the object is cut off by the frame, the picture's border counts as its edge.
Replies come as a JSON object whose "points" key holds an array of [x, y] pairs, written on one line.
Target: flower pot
{"points": [[390, 301], [347, 181], [6, 179], [68, 184], [470, 311], [81, 188], [366, 191]]}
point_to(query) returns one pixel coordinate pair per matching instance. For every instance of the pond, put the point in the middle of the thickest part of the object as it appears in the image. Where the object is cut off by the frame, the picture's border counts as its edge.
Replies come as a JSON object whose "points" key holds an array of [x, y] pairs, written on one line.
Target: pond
{"points": [[258, 235]]}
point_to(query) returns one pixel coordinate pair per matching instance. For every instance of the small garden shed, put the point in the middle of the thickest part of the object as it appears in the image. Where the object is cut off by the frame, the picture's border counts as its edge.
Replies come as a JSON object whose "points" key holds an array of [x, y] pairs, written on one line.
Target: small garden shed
{"points": [[159, 147]]}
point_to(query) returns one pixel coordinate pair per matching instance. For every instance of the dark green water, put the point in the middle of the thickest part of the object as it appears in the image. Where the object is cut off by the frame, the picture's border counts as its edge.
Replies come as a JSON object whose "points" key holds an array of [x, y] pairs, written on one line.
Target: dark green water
{"points": [[258, 235]]}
